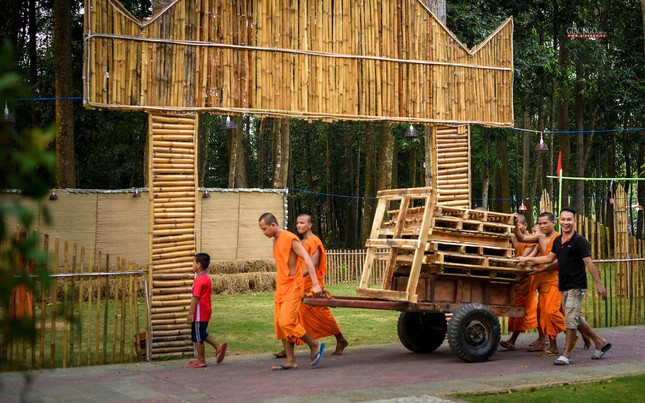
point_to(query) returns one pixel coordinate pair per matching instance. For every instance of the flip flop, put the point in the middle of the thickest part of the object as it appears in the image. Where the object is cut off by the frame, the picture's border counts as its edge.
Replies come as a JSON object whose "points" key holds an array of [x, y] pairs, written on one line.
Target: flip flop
{"points": [[280, 367], [599, 353], [315, 360], [507, 345], [562, 360], [221, 353], [549, 353], [195, 365], [281, 354], [536, 348]]}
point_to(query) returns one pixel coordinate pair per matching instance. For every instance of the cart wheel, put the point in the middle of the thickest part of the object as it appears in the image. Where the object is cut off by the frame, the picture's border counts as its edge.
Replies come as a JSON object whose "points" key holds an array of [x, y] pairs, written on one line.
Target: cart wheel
{"points": [[422, 332], [474, 332]]}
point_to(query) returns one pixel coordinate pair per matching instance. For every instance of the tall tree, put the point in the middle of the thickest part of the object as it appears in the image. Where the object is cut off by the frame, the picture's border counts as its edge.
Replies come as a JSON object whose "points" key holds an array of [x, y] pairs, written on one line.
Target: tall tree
{"points": [[281, 152], [369, 204], [438, 8], [237, 163], [65, 161]]}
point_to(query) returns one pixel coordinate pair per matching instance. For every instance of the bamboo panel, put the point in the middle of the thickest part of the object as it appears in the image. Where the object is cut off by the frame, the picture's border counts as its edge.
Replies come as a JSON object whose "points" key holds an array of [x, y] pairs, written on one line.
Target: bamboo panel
{"points": [[296, 60]]}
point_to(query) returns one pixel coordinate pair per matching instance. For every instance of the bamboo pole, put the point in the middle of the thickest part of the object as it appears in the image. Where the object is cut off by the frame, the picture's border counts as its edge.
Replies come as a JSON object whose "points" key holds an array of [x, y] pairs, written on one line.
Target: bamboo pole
{"points": [[43, 310], [65, 304], [54, 291], [105, 310], [136, 314], [89, 330], [123, 283], [115, 305]]}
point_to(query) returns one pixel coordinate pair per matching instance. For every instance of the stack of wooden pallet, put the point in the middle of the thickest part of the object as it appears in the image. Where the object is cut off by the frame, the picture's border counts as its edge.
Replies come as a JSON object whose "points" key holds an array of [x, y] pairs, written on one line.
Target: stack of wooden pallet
{"points": [[425, 239]]}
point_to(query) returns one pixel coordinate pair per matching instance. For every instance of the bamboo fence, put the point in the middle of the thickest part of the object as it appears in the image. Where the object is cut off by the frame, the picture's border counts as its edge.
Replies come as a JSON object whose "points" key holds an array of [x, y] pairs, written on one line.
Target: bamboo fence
{"points": [[314, 59], [95, 312]]}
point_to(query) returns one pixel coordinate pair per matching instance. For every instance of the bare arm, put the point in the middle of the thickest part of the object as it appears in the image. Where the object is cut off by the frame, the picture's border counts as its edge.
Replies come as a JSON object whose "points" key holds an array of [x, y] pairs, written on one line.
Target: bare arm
{"points": [[514, 241], [525, 238], [551, 266], [193, 307], [299, 250], [537, 259], [602, 292]]}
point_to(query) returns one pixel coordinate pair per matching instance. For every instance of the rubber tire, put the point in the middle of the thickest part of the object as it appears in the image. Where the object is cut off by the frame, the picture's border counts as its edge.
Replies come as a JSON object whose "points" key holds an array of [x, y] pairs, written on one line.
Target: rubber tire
{"points": [[474, 332], [422, 332]]}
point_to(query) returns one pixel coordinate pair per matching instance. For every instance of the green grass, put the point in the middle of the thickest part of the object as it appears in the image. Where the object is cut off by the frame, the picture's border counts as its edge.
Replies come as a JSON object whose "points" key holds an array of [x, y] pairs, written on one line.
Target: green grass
{"points": [[626, 389], [245, 322]]}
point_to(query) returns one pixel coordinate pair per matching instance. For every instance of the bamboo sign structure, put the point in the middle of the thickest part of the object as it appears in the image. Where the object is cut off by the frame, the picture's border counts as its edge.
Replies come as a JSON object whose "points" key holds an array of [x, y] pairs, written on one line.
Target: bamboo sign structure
{"points": [[313, 59], [371, 59]]}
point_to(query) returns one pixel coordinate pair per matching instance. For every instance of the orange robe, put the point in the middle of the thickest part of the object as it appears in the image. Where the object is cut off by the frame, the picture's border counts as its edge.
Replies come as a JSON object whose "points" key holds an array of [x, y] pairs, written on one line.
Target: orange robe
{"points": [[317, 320], [550, 316], [524, 298], [21, 305], [288, 290]]}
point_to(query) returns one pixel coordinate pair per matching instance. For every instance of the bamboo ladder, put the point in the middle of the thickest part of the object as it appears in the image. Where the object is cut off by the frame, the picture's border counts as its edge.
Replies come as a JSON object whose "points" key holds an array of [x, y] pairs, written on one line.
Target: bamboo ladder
{"points": [[173, 187], [452, 167], [406, 198]]}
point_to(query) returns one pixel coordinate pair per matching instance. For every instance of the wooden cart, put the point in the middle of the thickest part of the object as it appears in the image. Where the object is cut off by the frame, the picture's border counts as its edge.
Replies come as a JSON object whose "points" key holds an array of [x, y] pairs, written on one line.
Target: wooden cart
{"points": [[439, 260]]}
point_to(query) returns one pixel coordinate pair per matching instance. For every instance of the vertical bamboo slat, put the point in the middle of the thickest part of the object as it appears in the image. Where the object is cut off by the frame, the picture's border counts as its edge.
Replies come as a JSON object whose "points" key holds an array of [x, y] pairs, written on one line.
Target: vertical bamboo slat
{"points": [[54, 297]]}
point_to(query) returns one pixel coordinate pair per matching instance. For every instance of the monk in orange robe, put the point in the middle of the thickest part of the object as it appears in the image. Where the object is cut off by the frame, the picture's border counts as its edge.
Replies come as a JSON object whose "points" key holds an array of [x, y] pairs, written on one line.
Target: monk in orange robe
{"points": [[317, 320], [549, 310], [289, 290], [21, 305], [524, 293]]}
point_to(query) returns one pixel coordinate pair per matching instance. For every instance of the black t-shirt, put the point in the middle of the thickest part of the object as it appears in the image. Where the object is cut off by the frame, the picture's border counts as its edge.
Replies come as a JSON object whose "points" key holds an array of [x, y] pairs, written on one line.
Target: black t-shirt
{"points": [[571, 267]]}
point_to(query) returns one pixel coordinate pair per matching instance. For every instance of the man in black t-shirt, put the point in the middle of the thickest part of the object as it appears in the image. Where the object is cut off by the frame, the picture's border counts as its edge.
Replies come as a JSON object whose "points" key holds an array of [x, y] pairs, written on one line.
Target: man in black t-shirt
{"points": [[573, 255]]}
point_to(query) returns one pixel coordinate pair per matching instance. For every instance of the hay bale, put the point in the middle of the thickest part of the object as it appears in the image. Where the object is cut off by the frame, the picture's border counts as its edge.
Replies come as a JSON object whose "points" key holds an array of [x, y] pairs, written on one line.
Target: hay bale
{"points": [[220, 267], [240, 283]]}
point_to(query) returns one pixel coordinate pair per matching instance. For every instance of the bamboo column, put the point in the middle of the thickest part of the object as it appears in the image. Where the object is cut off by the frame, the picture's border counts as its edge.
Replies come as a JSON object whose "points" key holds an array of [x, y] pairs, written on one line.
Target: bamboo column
{"points": [[452, 165], [173, 187]]}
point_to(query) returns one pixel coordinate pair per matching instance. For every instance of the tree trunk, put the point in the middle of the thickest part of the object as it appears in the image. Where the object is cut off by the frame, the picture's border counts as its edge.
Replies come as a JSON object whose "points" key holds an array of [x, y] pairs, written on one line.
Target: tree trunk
{"points": [[202, 146], [564, 139], [579, 186], [369, 204], [526, 162], [350, 240], [502, 186], [237, 172], [610, 161], [485, 175], [33, 61], [65, 161], [386, 158], [643, 17], [640, 223], [281, 150], [438, 8], [428, 141]]}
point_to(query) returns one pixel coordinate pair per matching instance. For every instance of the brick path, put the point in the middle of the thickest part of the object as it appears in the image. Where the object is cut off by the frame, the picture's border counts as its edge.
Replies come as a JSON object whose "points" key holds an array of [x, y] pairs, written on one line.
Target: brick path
{"points": [[361, 374]]}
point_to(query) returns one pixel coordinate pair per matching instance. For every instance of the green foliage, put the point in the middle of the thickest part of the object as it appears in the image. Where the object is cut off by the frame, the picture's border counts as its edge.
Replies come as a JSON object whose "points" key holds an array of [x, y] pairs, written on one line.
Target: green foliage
{"points": [[23, 160]]}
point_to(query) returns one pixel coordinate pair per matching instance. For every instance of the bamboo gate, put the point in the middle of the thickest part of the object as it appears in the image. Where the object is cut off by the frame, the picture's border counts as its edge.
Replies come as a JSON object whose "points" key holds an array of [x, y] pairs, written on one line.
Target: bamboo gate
{"points": [[313, 59], [95, 311]]}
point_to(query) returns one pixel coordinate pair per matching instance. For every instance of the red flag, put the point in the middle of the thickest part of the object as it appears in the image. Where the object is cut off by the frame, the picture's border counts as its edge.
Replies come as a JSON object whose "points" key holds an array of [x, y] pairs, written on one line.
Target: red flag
{"points": [[558, 170]]}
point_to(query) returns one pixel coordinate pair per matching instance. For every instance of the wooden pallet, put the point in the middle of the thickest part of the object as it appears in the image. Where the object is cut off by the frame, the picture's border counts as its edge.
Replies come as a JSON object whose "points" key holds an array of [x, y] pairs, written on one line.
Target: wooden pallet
{"points": [[423, 238]]}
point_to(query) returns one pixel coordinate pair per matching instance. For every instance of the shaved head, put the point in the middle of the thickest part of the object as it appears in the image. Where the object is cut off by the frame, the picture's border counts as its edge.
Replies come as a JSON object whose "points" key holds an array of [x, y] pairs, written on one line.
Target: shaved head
{"points": [[268, 218]]}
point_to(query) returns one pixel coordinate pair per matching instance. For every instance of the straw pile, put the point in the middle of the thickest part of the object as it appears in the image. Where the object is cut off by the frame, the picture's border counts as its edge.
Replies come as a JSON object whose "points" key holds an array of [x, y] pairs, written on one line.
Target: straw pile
{"points": [[243, 282]]}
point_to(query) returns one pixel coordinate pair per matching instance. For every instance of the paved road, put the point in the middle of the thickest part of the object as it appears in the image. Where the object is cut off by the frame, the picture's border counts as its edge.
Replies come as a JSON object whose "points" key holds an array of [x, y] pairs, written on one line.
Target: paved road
{"points": [[361, 374]]}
